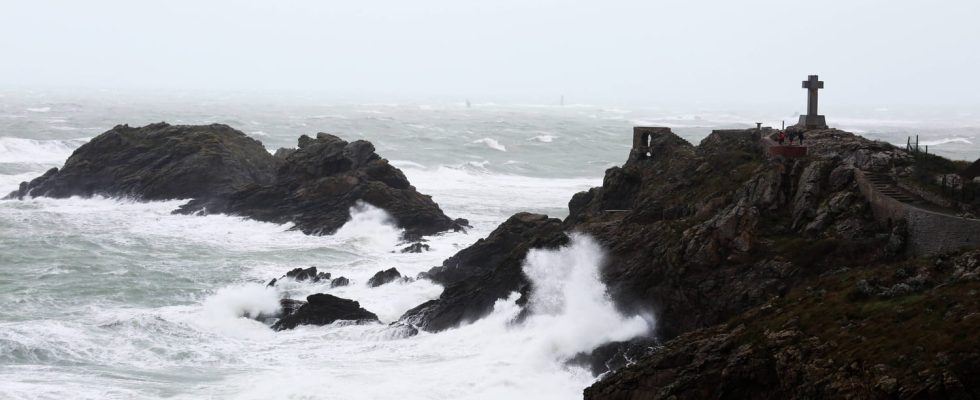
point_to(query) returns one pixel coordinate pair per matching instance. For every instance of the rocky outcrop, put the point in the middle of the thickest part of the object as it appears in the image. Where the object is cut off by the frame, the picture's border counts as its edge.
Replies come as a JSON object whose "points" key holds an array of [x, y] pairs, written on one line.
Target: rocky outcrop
{"points": [[307, 274], [834, 338], [323, 309], [341, 281], [224, 171], [489, 270], [316, 185], [696, 234], [159, 162], [383, 277]]}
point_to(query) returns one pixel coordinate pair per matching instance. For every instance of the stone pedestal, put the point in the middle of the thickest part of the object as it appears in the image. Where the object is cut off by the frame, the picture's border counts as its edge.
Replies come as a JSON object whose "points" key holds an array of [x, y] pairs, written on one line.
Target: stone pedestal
{"points": [[813, 122]]}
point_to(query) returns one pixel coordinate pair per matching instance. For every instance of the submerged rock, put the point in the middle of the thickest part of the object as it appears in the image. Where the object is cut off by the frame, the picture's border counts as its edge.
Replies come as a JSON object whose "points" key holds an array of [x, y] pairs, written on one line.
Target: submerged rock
{"points": [[323, 309], [382, 277], [341, 281], [489, 270], [415, 248]]}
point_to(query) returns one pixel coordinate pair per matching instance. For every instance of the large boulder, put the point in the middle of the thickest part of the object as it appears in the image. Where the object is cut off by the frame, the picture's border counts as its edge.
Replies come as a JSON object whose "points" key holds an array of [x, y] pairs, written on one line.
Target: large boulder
{"points": [[159, 162], [323, 309], [383, 277], [489, 270], [316, 186]]}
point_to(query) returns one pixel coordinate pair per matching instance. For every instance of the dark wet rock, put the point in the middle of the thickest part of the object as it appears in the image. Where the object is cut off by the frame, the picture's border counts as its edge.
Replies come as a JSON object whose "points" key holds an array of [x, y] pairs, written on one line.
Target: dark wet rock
{"points": [[324, 309], [272, 282], [833, 338], [283, 153], [289, 306], [383, 277], [489, 270], [224, 171], [303, 275], [159, 162], [316, 186], [415, 248], [399, 330], [341, 281], [615, 355]]}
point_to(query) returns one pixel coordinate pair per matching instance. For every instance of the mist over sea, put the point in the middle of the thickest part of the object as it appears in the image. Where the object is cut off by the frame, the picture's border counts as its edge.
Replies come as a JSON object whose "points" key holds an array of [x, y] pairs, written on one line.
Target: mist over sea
{"points": [[115, 299]]}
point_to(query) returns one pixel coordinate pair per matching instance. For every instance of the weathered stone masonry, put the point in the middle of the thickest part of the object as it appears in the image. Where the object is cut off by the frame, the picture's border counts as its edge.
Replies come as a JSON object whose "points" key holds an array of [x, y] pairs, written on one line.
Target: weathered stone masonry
{"points": [[929, 233]]}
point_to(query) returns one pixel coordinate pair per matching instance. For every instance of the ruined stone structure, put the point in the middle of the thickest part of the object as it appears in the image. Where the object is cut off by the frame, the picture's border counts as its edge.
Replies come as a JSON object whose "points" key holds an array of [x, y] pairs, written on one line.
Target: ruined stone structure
{"points": [[812, 119], [641, 141]]}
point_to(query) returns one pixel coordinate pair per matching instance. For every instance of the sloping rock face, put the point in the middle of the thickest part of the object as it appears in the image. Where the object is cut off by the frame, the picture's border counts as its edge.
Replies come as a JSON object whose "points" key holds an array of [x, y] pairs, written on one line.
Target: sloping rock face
{"points": [[708, 231], [322, 309], [894, 331], [489, 270], [225, 171], [316, 185], [158, 162]]}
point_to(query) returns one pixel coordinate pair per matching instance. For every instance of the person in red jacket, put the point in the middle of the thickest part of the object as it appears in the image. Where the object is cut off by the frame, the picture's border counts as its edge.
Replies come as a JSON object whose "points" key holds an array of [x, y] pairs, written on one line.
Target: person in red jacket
{"points": [[780, 137]]}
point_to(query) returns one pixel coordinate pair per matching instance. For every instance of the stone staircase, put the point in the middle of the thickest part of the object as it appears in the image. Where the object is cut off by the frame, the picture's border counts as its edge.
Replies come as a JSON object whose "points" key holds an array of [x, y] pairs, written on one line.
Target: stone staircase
{"points": [[887, 186]]}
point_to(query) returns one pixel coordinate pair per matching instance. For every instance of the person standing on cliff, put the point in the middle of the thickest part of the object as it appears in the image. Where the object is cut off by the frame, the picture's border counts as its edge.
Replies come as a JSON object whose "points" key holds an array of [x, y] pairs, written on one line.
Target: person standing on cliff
{"points": [[800, 136], [781, 137]]}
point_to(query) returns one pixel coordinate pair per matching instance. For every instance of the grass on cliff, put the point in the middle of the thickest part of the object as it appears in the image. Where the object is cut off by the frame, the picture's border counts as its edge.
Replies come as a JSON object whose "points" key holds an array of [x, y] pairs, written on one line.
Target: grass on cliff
{"points": [[910, 330]]}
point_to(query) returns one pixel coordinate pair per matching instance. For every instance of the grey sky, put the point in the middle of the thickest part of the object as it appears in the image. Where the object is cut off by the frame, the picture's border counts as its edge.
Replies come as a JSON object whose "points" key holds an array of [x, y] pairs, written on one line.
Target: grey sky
{"points": [[871, 53]]}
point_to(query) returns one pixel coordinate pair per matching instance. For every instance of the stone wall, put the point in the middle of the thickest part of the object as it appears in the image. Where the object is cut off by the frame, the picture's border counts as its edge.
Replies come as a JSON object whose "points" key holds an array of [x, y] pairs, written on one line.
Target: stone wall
{"points": [[929, 233]]}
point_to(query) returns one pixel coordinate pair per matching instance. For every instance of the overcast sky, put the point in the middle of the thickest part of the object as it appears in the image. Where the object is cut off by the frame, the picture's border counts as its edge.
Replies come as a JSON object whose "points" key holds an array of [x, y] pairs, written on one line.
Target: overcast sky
{"points": [[643, 52]]}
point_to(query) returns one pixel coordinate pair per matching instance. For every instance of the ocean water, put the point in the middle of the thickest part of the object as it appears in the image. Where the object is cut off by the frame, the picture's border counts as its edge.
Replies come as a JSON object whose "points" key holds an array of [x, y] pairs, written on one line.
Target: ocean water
{"points": [[115, 299]]}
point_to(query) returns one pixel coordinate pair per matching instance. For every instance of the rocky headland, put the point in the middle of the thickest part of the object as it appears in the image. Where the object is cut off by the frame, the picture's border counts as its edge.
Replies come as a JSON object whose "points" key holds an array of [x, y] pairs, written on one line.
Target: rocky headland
{"points": [[770, 277], [222, 170]]}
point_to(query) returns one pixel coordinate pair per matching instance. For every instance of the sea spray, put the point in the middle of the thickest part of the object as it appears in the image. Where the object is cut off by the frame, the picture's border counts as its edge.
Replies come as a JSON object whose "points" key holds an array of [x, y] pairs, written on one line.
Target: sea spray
{"points": [[369, 226], [245, 301], [32, 151], [569, 304], [491, 143]]}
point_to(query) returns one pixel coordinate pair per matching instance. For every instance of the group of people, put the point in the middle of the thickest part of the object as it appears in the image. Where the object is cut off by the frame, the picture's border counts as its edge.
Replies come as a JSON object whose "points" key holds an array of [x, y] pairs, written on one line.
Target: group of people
{"points": [[781, 137]]}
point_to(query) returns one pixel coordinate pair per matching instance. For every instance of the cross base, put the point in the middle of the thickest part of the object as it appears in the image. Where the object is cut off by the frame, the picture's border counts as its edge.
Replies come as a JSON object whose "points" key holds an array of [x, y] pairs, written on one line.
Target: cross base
{"points": [[813, 122]]}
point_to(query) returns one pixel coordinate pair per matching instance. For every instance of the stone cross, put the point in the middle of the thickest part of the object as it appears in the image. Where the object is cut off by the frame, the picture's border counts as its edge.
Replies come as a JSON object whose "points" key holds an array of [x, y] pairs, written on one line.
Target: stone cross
{"points": [[812, 120], [812, 84]]}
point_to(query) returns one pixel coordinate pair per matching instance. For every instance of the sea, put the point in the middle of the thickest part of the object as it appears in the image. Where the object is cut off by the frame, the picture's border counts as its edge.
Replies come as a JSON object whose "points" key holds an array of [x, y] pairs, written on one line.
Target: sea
{"points": [[113, 298]]}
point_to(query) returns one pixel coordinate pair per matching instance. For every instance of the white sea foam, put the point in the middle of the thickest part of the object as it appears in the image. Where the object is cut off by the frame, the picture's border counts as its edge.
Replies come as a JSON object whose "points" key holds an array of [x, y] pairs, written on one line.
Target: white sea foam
{"points": [[937, 142], [20, 150], [39, 109], [544, 138], [572, 314], [370, 226], [246, 301], [491, 143]]}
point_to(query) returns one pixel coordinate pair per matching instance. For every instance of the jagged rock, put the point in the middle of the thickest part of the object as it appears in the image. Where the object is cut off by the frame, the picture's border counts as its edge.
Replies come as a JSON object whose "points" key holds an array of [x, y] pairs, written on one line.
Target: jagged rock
{"points": [[823, 342], [415, 248], [316, 186], [283, 153], [341, 281], [489, 270], [224, 171], [159, 162], [324, 309], [382, 277], [615, 355], [300, 274]]}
